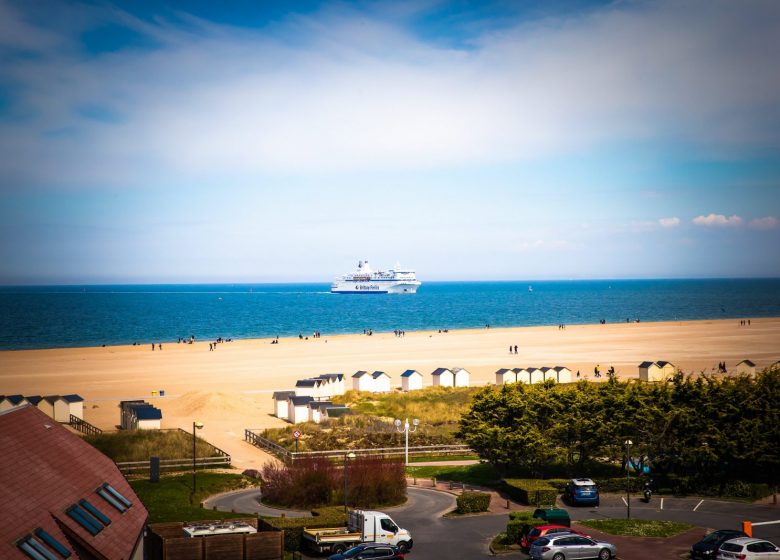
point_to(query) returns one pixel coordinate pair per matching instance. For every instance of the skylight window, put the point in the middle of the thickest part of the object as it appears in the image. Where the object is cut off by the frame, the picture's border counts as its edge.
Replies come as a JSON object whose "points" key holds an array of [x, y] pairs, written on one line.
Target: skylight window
{"points": [[33, 548], [96, 513], [80, 516], [53, 543], [113, 497]]}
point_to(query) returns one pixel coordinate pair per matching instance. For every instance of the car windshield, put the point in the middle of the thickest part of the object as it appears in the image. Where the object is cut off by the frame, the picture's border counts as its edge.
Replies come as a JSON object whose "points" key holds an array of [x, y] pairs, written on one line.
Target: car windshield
{"points": [[352, 552], [711, 538]]}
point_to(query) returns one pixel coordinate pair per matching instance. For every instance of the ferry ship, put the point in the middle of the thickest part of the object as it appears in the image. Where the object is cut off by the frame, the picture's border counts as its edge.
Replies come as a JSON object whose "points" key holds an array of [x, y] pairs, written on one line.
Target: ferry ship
{"points": [[364, 280]]}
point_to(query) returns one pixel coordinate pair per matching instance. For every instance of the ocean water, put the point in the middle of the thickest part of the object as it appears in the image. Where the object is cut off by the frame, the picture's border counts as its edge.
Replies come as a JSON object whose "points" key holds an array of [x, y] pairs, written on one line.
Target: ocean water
{"points": [[66, 316]]}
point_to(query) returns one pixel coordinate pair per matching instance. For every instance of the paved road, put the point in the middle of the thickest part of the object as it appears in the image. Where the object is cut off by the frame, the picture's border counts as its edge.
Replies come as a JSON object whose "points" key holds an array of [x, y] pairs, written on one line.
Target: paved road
{"points": [[248, 501]]}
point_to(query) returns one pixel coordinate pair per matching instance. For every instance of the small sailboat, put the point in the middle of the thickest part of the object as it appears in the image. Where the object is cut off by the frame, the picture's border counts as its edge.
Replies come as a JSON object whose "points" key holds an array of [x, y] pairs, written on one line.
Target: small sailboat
{"points": [[530, 288]]}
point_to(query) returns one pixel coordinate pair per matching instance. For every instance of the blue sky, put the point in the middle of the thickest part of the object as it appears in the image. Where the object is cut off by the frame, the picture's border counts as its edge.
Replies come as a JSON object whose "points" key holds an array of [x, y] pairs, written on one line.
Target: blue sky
{"points": [[279, 141]]}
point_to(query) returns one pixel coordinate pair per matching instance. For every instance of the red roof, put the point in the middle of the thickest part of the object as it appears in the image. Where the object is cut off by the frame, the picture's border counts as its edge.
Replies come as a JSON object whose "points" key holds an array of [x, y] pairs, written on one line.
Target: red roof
{"points": [[45, 469]]}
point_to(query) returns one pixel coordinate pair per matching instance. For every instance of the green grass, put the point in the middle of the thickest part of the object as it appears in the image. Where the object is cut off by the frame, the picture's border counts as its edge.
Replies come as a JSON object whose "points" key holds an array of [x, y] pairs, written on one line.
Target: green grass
{"points": [[432, 458], [139, 445], [481, 474], [500, 543], [637, 527], [170, 499]]}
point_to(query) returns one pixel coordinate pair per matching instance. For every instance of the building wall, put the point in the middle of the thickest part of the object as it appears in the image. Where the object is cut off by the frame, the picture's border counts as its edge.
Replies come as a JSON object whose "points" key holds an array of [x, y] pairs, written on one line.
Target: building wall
{"points": [[148, 424], [411, 383], [564, 376], [364, 383], [280, 409], [76, 409], [446, 379], [537, 376], [462, 379], [299, 414], [382, 384]]}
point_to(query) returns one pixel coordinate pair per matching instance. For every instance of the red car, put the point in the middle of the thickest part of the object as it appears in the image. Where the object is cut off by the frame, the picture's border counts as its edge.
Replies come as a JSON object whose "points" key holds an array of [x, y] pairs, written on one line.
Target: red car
{"points": [[545, 531]]}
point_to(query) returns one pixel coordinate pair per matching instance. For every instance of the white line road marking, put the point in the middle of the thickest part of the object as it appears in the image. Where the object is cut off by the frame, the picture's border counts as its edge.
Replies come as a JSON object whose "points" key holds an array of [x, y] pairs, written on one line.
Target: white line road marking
{"points": [[697, 505], [662, 503], [624, 502]]}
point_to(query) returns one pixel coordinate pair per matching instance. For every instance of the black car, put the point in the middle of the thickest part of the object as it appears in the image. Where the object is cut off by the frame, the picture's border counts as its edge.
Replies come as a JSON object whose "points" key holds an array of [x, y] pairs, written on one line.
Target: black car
{"points": [[707, 548], [370, 550]]}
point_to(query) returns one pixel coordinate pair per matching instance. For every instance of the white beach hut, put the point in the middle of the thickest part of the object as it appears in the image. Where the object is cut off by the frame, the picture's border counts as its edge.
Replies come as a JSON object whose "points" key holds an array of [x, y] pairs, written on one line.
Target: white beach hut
{"points": [[745, 367], [462, 377], [308, 387], [411, 380], [442, 377], [504, 376], [333, 384], [656, 371], [548, 373], [317, 410], [362, 381], [563, 374], [60, 409], [281, 402], [535, 375], [381, 382], [298, 409], [522, 375], [12, 401], [147, 418], [75, 406]]}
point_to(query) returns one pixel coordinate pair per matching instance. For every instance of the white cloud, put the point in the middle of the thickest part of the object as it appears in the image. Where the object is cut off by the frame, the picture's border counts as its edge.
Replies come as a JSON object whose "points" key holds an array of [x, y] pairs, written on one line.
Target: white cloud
{"points": [[346, 91], [718, 220], [770, 222], [669, 222]]}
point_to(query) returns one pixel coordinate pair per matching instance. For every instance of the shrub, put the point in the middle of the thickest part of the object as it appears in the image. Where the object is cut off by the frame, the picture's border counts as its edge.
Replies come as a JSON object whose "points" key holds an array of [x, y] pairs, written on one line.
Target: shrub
{"points": [[473, 502], [520, 522], [307, 483], [293, 526], [531, 491]]}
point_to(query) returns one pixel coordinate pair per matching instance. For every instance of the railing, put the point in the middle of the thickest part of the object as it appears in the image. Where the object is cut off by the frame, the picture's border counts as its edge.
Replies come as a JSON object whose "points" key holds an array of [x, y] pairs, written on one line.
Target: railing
{"points": [[84, 427], [203, 462], [251, 436], [216, 449]]}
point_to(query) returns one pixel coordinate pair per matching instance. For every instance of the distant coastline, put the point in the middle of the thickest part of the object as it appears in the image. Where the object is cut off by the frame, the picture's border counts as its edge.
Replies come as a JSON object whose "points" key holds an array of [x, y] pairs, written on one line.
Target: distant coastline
{"points": [[85, 316]]}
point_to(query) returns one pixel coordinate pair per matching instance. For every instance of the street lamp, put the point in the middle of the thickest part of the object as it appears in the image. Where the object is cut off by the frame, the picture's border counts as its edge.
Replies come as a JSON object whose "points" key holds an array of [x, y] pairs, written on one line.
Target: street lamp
{"points": [[195, 426], [349, 455], [406, 431], [628, 478]]}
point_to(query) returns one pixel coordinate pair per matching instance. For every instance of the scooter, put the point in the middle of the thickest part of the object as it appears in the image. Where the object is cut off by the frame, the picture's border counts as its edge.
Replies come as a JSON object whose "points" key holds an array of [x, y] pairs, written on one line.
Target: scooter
{"points": [[648, 493]]}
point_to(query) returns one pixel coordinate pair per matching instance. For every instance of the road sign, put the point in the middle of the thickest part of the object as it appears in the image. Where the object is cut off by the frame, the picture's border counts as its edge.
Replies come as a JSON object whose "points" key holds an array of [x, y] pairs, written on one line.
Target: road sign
{"points": [[297, 434]]}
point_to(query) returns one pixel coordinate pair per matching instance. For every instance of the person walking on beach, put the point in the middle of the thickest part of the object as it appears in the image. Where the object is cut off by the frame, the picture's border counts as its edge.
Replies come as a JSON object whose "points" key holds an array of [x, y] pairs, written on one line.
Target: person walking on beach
{"points": [[515, 348], [596, 372], [152, 346]]}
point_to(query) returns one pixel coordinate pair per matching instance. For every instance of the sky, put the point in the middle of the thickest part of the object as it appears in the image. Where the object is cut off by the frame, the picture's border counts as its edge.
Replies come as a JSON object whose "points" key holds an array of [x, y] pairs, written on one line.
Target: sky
{"points": [[178, 142]]}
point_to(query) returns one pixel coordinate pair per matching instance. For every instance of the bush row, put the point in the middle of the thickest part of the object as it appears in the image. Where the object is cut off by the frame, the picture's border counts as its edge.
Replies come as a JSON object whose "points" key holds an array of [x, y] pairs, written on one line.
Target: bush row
{"points": [[473, 502], [519, 523], [531, 491], [293, 526]]}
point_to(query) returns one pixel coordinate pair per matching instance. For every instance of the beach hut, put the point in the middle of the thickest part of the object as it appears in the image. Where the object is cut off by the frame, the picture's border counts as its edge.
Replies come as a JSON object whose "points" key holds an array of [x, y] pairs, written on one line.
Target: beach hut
{"points": [[411, 380], [462, 377], [308, 387], [535, 375], [298, 408], [381, 382], [147, 418], [563, 374], [362, 381], [442, 377], [656, 371], [746, 367], [316, 410], [75, 406], [548, 373], [58, 406], [334, 384], [522, 375], [46, 406], [281, 400], [12, 401], [504, 376]]}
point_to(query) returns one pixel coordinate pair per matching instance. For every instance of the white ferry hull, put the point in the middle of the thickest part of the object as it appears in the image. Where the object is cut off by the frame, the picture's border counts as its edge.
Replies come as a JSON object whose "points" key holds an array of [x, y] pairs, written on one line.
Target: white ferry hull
{"points": [[347, 287]]}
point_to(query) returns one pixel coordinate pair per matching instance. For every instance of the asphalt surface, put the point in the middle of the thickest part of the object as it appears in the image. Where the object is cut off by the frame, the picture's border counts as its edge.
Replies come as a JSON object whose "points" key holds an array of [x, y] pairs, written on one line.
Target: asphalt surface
{"points": [[248, 501]]}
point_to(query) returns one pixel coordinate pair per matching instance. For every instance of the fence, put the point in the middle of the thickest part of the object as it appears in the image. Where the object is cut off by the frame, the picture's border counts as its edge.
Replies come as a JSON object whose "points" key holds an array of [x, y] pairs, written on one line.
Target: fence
{"points": [[202, 462], [84, 426], [251, 436]]}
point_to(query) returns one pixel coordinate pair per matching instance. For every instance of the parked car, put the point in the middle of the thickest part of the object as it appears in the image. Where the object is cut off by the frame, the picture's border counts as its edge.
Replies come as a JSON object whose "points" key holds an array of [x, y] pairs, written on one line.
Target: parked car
{"points": [[545, 531], [706, 548], [747, 548], [568, 546], [555, 516], [581, 491], [370, 550]]}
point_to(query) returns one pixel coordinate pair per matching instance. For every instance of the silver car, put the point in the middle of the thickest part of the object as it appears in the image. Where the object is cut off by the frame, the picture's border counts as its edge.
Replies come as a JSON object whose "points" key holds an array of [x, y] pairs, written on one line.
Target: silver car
{"points": [[570, 547]]}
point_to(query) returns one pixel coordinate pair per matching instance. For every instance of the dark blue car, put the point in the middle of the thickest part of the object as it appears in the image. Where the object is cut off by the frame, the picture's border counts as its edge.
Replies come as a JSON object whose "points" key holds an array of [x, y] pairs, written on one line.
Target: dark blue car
{"points": [[370, 550]]}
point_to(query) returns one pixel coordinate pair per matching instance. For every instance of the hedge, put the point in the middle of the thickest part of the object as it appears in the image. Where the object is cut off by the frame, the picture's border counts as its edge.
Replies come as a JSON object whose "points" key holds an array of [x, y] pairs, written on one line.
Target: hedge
{"points": [[473, 502], [293, 526], [531, 491], [519, 523]]}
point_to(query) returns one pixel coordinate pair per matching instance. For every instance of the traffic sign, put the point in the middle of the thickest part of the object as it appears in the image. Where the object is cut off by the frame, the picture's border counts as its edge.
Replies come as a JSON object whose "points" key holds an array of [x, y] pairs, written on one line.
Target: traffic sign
{"points": [[297, 434]]}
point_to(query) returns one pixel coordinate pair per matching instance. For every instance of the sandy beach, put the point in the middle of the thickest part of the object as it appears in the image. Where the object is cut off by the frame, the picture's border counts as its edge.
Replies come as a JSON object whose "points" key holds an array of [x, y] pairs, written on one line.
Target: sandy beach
{"points": [[229, 389]]}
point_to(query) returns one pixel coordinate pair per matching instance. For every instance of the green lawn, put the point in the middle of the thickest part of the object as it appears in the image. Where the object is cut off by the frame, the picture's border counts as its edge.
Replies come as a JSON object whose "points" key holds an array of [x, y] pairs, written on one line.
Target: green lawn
{"points": [[431, 458], [170, 499], [637, 527], [481, 474], [139, 445]]}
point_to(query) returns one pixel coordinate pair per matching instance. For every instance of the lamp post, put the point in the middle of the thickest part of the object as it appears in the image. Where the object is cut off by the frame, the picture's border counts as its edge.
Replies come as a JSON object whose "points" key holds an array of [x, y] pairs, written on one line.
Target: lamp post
{"points": [[628, 478], [349, 455], [405, 429], [195, 426]]}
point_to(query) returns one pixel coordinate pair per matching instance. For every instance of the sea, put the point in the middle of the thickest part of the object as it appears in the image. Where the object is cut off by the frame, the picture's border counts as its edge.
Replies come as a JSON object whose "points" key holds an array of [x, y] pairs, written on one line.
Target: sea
{"points": [[72, 316]]}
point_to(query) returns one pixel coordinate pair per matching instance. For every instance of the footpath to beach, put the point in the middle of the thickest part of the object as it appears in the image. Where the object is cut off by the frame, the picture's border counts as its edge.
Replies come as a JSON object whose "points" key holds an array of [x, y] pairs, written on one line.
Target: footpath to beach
{"points": [[229, 389]]}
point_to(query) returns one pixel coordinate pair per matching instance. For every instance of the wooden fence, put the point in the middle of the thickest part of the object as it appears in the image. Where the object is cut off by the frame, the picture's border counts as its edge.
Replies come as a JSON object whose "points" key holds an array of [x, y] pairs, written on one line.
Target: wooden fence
{"points": [[84, 427], [201, 462], [252, 436]]}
